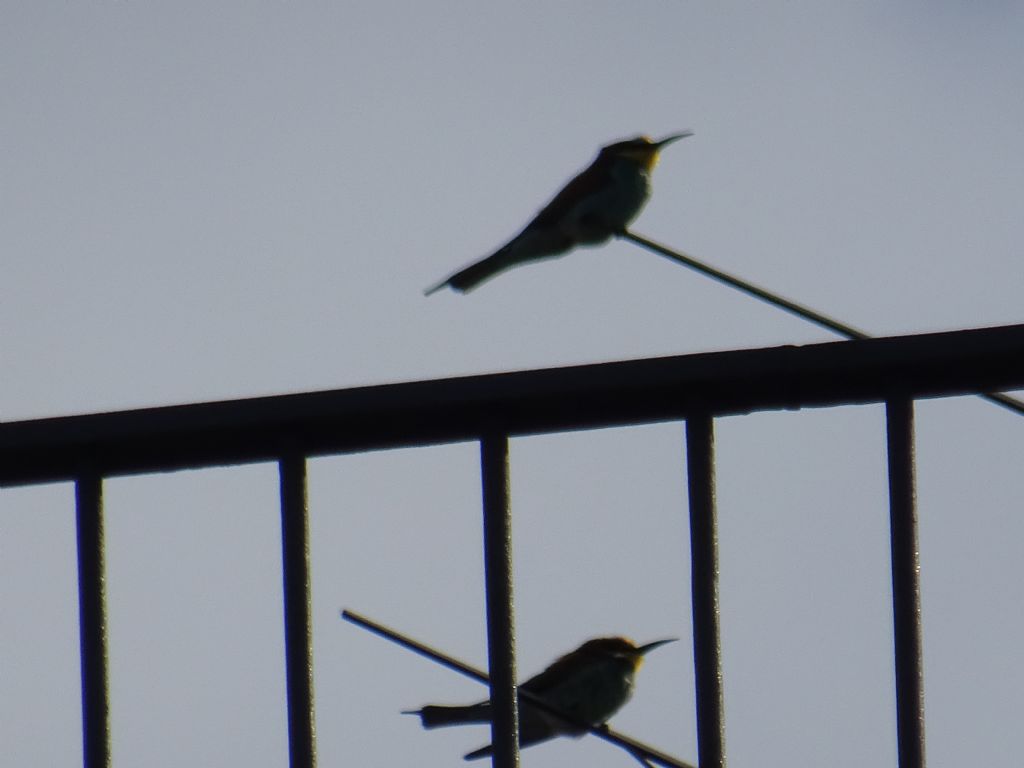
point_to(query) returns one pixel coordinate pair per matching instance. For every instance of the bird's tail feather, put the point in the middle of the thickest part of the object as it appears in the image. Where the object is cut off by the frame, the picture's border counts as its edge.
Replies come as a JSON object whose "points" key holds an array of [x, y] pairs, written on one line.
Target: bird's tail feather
{"points": [[535, 726], [476, 754], [469, 278], [437, 716], [526, 739], [530, 245]]}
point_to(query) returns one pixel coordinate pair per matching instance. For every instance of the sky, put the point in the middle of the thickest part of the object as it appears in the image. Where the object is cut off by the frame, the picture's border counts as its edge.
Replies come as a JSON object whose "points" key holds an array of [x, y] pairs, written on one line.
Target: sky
{"points": [[206, 201]]}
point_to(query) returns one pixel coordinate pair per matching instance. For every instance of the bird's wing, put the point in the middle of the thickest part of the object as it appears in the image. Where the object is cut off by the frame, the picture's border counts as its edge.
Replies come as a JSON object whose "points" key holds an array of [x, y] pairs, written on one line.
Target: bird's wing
{"points": [[557, 672], [577, 188]]}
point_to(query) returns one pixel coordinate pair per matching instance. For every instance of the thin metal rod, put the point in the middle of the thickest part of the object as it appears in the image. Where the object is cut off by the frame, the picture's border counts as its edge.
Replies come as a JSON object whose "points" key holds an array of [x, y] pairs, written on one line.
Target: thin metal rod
{"points": [[906, 591], [632, 746], [417, 647], [501, 648], [298, 630], [750, 289], [707, 655], [801, 311], [92, 622]]}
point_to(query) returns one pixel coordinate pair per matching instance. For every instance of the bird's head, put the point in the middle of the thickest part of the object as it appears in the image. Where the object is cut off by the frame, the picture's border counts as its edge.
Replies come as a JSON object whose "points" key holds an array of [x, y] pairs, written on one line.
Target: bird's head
{"points": [[620, 649], [643, 150]]}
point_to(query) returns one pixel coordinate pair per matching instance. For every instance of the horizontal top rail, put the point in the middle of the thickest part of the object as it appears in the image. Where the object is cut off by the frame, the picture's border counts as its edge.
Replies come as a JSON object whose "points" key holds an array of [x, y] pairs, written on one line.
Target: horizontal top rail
{"points": [[524, 402]]}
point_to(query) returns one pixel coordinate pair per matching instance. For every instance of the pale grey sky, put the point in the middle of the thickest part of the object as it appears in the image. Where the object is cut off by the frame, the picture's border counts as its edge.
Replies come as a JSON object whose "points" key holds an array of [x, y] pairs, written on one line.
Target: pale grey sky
{"points": [[213, 201]]}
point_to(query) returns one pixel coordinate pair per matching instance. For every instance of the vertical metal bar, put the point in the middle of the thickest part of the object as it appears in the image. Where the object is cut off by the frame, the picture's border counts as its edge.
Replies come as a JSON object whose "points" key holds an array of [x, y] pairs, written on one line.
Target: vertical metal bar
{"points": [[298, 633], [92, 608], [906, 591], [501, 647], [707, 655]]}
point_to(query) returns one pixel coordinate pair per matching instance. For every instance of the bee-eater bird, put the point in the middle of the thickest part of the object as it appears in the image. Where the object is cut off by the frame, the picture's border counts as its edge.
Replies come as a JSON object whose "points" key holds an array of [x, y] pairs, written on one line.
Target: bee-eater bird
{"points": [[591, 209], [588, 686]]}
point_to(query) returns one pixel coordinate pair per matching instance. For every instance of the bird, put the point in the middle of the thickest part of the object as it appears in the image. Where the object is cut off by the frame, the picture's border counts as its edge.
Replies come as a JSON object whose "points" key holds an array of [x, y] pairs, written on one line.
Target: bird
{"points": [[595, 206], [587, 686]]}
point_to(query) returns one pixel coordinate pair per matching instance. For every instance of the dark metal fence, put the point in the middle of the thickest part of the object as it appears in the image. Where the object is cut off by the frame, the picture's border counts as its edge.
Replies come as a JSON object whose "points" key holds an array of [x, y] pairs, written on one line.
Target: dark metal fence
{"points": [[489, 409]]}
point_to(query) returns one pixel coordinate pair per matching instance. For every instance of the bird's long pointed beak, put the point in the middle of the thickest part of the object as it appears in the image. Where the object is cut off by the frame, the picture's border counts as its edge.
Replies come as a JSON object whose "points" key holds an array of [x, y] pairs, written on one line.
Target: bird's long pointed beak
{"points": [[674, 137], [656, 644]]}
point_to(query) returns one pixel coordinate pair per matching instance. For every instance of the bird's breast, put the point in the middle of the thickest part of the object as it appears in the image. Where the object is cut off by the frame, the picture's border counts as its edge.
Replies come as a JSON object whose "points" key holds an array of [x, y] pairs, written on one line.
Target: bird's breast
{"points": [[593, 692], [612, 206]]}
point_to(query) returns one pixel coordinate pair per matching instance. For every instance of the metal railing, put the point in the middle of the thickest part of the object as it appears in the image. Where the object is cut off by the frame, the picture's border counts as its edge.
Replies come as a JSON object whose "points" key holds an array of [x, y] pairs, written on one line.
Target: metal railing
{"points": [[489, 409]]}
